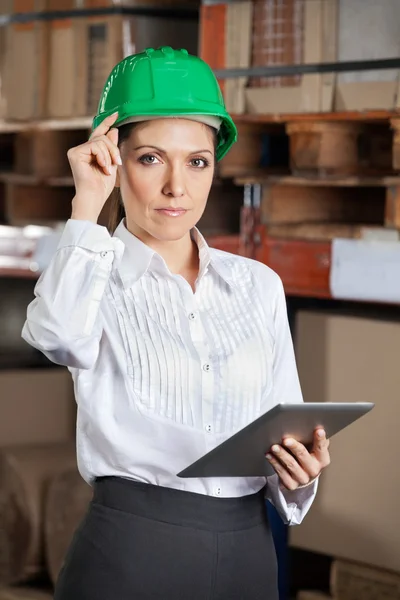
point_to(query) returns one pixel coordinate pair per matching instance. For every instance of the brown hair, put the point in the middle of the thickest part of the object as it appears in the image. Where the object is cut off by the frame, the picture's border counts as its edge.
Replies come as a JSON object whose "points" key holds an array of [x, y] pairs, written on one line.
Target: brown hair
{"points": [[117, 209]]}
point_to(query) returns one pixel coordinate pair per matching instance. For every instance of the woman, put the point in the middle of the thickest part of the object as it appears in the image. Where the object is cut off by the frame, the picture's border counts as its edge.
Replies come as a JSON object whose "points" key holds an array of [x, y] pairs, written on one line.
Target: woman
{"points": [[172, 346]]}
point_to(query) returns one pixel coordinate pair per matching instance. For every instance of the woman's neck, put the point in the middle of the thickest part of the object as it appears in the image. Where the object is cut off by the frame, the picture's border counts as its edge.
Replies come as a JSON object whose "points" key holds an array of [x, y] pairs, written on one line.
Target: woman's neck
{"points": [[181, 256]]}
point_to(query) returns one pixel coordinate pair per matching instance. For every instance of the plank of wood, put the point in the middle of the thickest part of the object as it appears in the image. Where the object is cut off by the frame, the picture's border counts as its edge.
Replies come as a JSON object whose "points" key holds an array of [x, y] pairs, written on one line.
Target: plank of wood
{"points": [[17, 178], [277, 117], [7, 126], [318, 231], [291, 180]]}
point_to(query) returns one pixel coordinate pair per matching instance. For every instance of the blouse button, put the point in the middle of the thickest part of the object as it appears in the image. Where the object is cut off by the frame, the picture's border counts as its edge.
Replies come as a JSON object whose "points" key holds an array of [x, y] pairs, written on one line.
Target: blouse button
{"points": [[206, 367], [208, 428], [192, 316], [103, 254]]}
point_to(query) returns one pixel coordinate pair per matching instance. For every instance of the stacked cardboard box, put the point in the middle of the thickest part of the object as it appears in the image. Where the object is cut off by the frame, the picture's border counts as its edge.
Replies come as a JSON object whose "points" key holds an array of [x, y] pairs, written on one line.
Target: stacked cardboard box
{"points": [[342, 357], [286, 32], [345, 358], [57, 68]]}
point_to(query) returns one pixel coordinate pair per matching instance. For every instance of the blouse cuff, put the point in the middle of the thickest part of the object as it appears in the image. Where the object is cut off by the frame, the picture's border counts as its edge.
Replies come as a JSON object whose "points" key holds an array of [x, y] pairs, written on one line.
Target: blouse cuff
{"points": [[89, 236]]}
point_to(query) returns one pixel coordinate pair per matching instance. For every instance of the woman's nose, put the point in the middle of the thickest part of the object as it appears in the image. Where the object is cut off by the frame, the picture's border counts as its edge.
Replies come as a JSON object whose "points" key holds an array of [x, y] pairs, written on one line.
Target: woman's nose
{"points": [[175, 183]]}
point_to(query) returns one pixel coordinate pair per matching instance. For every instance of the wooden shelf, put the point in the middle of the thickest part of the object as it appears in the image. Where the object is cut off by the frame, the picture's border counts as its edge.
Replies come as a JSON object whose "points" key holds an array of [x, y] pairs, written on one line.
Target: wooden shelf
{"points": [[328, 181], [86, 122], [368, 115], [20, 179], [46, 124]]}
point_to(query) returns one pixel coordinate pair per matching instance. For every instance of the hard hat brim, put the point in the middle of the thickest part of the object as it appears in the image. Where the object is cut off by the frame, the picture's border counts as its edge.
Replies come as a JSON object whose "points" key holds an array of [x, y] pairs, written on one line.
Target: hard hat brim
{"points": [[226, 135]]}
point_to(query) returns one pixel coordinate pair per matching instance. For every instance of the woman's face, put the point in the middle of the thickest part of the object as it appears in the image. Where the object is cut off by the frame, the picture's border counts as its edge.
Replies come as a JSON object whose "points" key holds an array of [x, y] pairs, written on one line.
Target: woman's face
{"points": [[166, 164]]}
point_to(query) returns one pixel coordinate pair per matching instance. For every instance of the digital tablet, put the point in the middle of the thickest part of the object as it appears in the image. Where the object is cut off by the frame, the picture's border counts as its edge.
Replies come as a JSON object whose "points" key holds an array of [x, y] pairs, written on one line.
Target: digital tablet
{"points": [[243, 454]]}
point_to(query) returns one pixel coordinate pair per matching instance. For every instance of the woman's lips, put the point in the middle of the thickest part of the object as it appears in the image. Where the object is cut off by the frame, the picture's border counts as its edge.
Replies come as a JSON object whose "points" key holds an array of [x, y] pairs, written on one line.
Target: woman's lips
{"points": [[172, 212]]}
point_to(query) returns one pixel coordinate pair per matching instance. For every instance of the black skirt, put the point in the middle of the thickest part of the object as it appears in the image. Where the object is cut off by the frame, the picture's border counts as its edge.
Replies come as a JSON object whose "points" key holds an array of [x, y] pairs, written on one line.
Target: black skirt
{"points": [[142, 542]]}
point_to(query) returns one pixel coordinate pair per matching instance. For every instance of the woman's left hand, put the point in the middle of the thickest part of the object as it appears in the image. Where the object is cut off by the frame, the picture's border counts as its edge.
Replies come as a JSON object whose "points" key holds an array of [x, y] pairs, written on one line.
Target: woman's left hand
{"points": [[299, 467]]}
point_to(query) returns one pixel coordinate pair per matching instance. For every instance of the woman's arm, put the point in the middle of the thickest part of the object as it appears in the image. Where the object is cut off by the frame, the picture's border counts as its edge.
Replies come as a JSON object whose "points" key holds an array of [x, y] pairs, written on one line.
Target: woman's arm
{"points": [[291, 492], [64, 320]]}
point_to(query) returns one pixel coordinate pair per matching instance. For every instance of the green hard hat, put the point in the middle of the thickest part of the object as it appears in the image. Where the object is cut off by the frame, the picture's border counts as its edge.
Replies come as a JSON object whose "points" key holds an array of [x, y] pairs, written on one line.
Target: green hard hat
{"points": [[165, 82]]}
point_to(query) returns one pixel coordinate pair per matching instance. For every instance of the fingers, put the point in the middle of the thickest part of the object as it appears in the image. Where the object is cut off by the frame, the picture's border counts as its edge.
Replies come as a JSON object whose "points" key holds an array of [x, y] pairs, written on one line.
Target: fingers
{"points": [[320, 448], [296, 466], [101, 152], [113, 135], [113, 149], [307, 461], [290, 471], [104, 126], [105, 152]]}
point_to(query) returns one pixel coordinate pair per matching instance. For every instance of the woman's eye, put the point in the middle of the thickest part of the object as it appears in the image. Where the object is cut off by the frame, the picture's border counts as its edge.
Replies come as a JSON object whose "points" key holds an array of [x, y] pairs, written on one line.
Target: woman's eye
{"points": [[149, 159], [199, 163]]}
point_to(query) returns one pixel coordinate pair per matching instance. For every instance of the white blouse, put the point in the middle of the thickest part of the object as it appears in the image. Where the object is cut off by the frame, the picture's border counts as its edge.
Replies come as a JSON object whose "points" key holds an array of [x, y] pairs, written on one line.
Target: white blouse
{"points": [[161, 374]]}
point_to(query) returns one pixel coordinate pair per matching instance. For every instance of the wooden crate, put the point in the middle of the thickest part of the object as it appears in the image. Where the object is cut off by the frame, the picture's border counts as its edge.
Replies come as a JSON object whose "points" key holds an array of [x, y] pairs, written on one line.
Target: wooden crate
{"points": [[352, 581], [43, 152], [339, 148], [256, 150], [39, 204], [324, 208]]}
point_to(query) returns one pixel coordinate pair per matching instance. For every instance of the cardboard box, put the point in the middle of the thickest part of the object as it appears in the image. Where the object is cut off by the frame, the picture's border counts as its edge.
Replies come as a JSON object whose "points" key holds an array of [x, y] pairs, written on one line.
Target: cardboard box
{"points": [[57, 69], [352, 581], [367, 30], [36, 406], [26, 65], [83, 51], [305, 33], [324, 31], [355, 514]]}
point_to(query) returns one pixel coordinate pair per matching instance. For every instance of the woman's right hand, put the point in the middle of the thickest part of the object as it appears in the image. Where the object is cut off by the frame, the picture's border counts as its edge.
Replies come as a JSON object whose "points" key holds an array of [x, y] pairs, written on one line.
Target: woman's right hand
{"points": [[94, 168]]}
